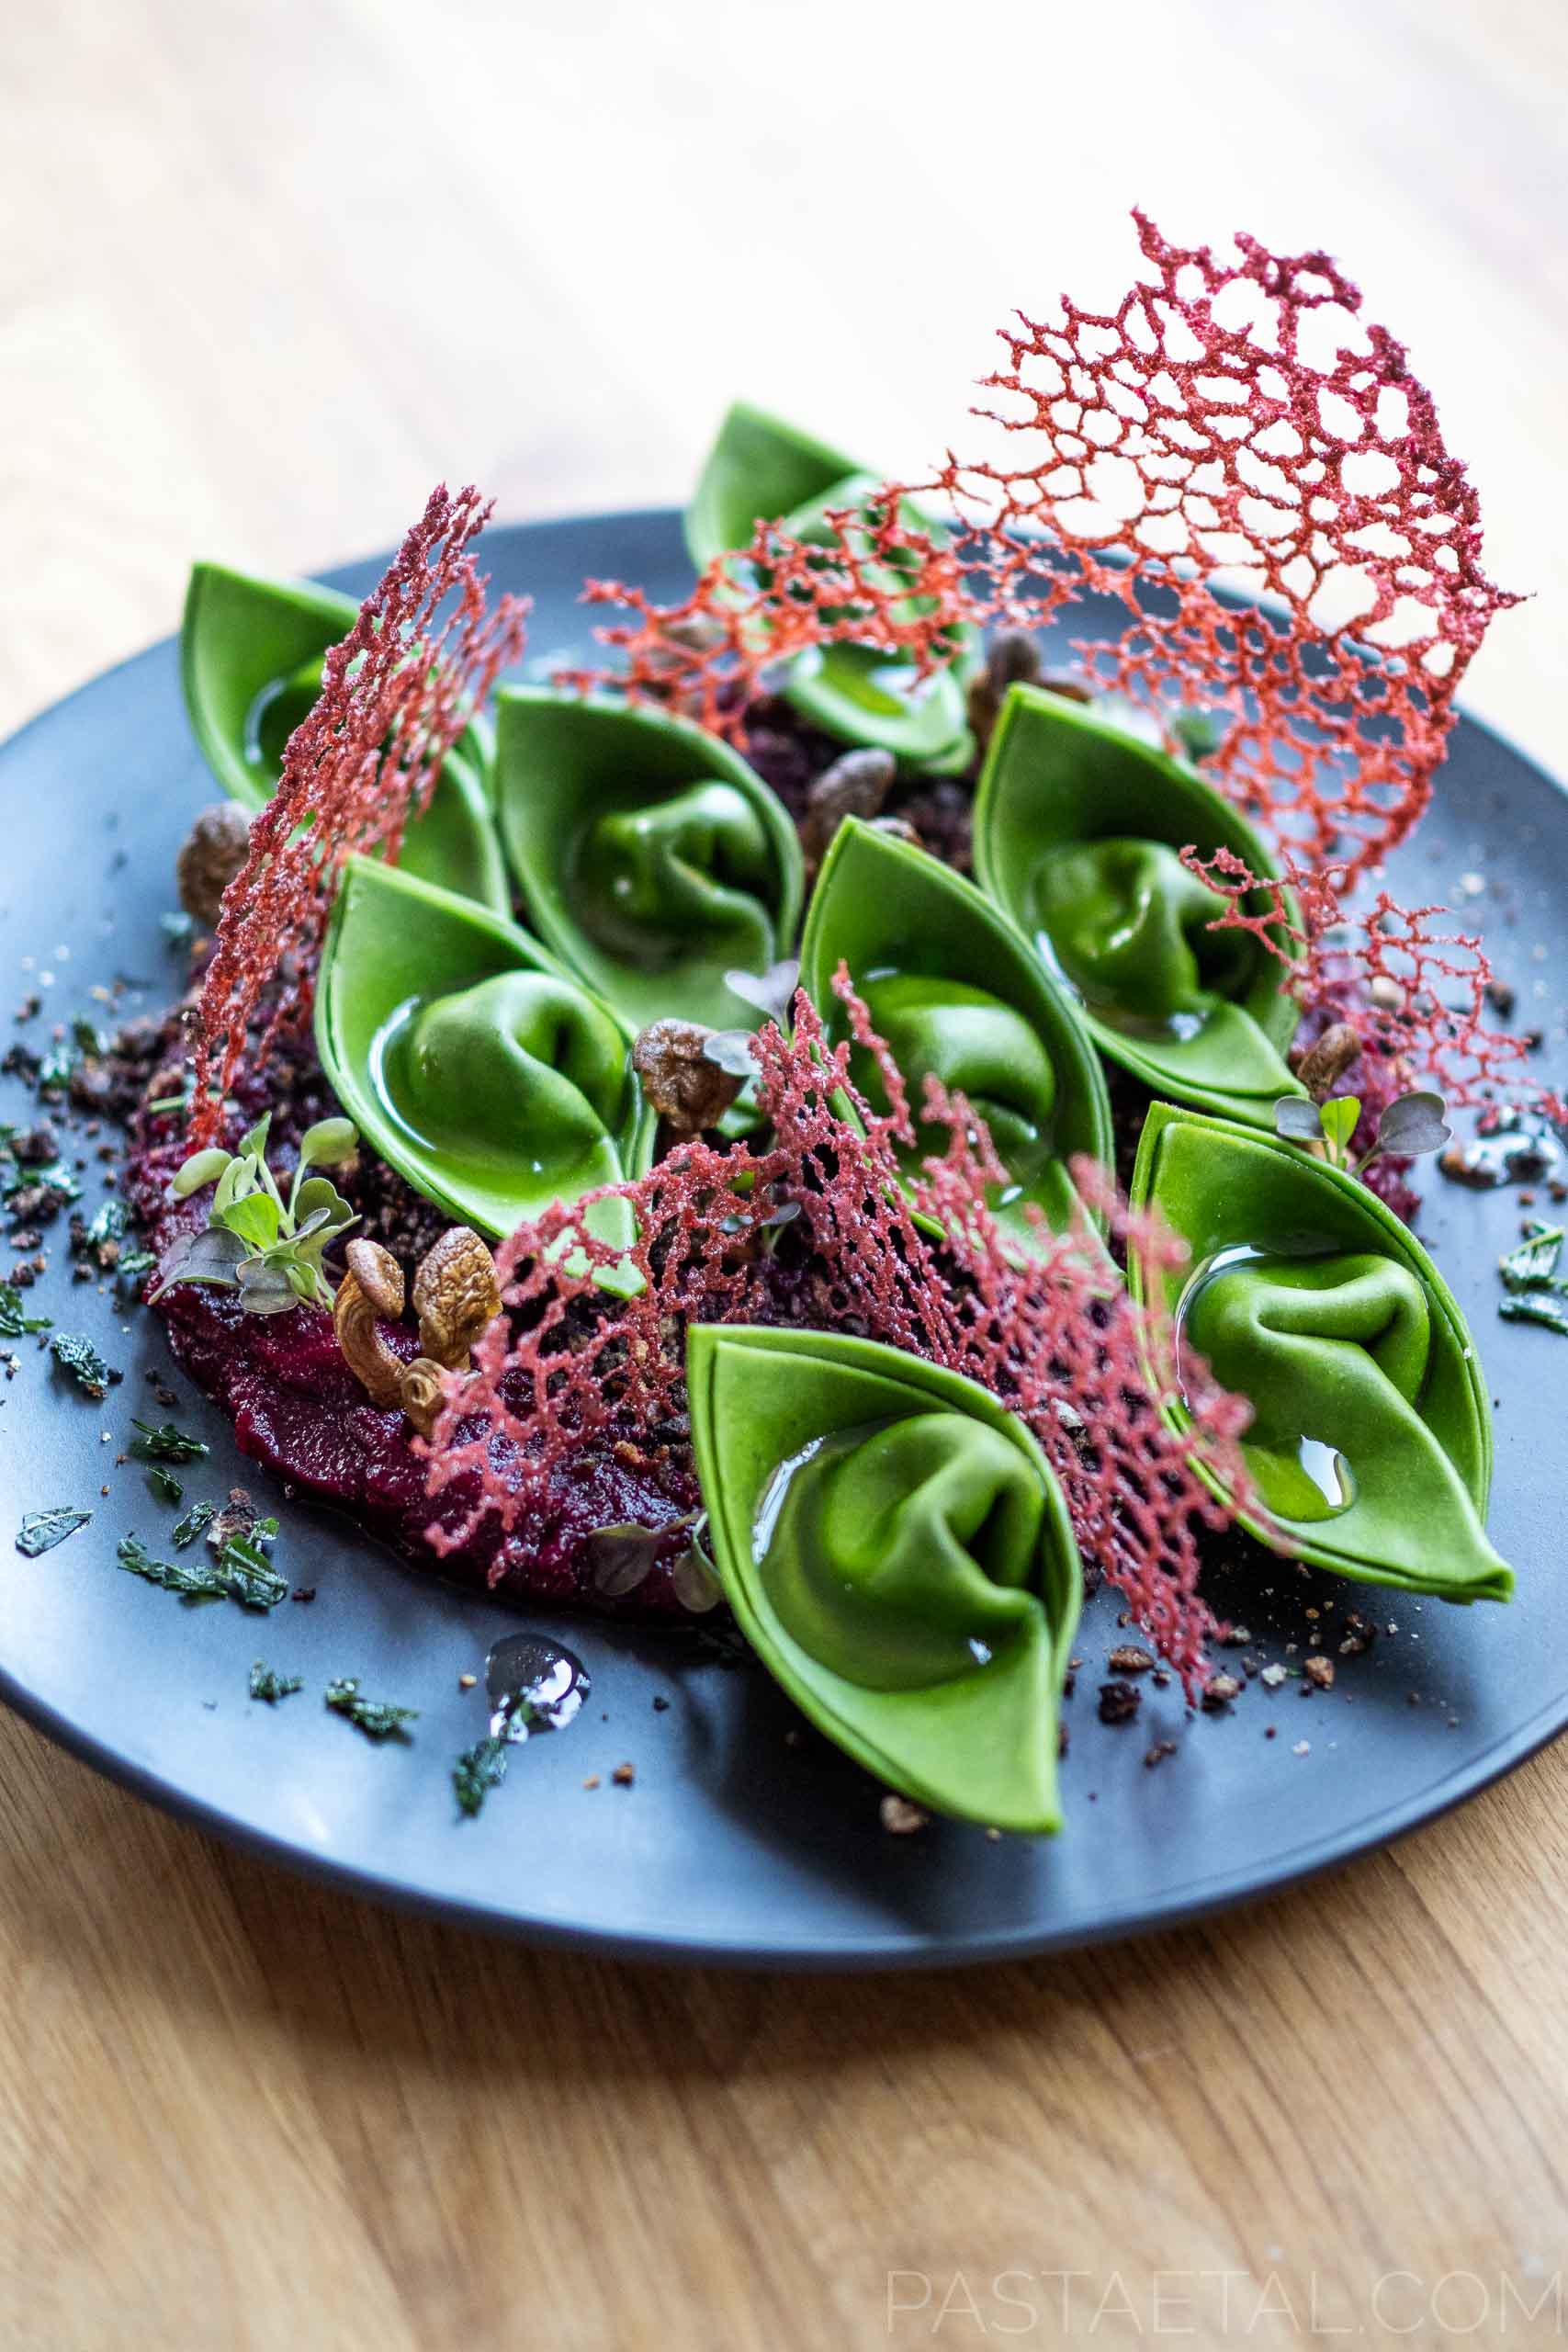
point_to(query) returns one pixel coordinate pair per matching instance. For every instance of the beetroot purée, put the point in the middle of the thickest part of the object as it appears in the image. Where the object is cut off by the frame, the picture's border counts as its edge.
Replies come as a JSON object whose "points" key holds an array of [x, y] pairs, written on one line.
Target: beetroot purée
{"points": [[297, 1407]]}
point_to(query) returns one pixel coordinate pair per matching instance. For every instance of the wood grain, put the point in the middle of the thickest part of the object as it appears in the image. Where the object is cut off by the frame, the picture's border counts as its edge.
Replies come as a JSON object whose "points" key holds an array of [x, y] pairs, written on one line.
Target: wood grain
{"points": [[265, 273]]}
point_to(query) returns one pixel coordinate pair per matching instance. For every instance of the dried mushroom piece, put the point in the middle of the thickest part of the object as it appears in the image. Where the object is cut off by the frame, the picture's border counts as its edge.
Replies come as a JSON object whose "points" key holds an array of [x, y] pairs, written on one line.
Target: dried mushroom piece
{"points": [[897, 1550], [956, 994], [1077, 830], [489, 1077], [370, 1293], [763, 470], [251, 653], [455, 1295], [1371, 1442], [650, 857]]}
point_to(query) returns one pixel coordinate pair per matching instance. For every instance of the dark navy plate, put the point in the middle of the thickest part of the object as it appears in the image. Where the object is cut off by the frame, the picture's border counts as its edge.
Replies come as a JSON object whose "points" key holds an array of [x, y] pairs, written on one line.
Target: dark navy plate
{"points": [[742, 1838]]}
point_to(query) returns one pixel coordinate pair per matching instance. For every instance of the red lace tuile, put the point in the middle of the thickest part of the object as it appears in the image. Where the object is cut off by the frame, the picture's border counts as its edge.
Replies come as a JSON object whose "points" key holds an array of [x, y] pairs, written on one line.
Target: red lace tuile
{"points": [[572, 1366], [877, 579], [1235, 422], [1415, 994], [395, 696], [1232, 423]]}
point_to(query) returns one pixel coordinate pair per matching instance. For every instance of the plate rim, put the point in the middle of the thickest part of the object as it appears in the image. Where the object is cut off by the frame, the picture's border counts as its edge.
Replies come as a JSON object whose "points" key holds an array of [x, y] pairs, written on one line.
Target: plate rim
{"points": [[892, 1950]]}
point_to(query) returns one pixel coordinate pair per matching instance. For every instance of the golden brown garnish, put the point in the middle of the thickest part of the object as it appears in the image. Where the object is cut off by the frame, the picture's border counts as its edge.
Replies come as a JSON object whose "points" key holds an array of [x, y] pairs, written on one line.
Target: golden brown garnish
{"points": [[455, 1297], [356, 1320], [421, 1393]]}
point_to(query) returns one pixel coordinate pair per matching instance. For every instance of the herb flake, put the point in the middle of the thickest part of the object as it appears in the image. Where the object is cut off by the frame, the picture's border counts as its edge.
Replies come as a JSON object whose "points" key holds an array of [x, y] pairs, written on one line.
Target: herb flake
{"points": [[200, 1517], [266, 1683], [14, 1321], [250, 1581], [163, 1441], [377, 1718], [479, 1769], [41, 1531], [82, 1362], [164, 1485]]}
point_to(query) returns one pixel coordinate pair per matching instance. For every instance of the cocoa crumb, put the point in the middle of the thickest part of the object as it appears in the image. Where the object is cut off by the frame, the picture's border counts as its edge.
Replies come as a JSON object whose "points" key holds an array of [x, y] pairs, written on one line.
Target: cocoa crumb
{"points": [[1119, 1701], [1158, 1752], [1318, 1674], [899, 1817], [1221, 1690], [624, 1775]]}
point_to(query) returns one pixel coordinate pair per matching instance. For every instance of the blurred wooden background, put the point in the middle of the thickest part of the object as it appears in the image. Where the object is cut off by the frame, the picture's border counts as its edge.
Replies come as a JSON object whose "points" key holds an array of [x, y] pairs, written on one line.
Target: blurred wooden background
{"points": [[266, 273]]}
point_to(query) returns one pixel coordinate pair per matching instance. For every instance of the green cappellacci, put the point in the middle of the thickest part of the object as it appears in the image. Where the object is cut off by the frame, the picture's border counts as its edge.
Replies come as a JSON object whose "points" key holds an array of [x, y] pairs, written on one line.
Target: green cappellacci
{"points": [[1372, 1437], [761, 470], [1077, 827], [957, 993], [251, 653], [650, 857], [897, 1552], [486, 1073]]}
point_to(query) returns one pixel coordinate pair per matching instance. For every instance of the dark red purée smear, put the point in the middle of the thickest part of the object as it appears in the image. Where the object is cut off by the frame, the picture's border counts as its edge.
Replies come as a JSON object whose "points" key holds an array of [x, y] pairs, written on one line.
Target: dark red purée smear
{"points": [[297, 1407]]}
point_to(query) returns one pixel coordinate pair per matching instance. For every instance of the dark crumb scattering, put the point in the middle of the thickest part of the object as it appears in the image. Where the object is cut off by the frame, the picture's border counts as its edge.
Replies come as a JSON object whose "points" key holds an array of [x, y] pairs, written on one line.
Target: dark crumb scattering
{"points": [[303, 1592], [35, 1146], [659, 1704], [1158, 1752], [624, 1775], [1119, 1701]]}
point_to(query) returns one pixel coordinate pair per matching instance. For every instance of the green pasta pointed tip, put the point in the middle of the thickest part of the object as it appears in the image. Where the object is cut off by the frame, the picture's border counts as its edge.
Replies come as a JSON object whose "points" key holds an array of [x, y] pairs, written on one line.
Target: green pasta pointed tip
{"points": [[1077, 827], [957, 993], [486, 1074], [251, 654], [651, 858], [897, 1550], [1371, 1442]]}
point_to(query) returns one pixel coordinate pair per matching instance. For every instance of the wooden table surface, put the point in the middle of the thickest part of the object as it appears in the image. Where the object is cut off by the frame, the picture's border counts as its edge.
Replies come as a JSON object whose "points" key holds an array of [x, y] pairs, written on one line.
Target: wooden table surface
{"points": [[267, 272]]}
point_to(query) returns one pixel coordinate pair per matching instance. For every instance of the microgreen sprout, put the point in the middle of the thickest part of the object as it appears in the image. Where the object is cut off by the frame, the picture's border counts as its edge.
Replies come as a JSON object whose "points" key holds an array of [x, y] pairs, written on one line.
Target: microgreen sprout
{"points": [[267, 1247], [1412, 1125]]}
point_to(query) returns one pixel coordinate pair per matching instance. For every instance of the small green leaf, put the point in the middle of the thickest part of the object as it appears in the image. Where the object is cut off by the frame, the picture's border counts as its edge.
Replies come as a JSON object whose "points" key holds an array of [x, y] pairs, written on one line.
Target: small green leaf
{"points": [[1340, 1119], [237, 1180], [253, 1143], [318, 1192], [201, 1168], [1414, 1125], [1297, 1120], [327, 1144], [213, 1256], [254, 1219], [164, 1485]]}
